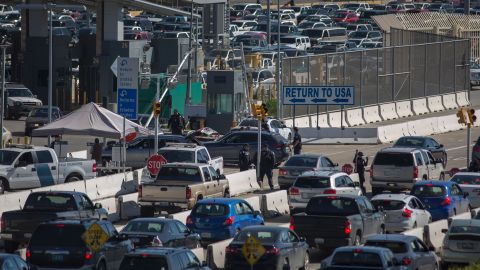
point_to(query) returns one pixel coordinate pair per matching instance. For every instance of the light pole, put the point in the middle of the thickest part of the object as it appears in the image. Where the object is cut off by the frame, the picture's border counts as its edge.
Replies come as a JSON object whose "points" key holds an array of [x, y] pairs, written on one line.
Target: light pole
{"points": [[279, 102], [3, 45]]}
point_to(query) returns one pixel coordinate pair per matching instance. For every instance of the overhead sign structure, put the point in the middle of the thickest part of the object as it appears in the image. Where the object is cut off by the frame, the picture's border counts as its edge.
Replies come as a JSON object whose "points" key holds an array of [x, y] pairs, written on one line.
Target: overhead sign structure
{"points": [[318, 95], [95, 237], [154, 163], [127, 87], [253, 250]]}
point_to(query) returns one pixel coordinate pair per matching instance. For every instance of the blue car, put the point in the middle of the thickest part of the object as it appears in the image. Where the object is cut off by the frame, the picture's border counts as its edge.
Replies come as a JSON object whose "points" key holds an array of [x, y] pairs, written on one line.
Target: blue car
{"points": [[442, 199], [221, 218]]}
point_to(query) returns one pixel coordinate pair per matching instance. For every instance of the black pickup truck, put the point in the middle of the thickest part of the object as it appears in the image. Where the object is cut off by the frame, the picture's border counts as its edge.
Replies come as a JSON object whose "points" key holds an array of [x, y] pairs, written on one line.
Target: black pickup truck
{"points": [[17, 226], [332, 221]]}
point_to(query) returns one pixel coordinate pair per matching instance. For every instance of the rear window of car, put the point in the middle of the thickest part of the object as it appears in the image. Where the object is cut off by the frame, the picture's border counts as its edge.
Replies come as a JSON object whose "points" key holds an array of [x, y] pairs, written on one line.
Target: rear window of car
{"points": [[364, 259], [428, 191], [144, 262], [211, 210], [394, 246], [465, 229], [413, 142], [54, 202], [466, 179], [58, 235], [388, 204], [302, 162], [394, 159], [313, 182], [144, 226], [332, 206], [178, 155], [177, 173], [263, 236]]}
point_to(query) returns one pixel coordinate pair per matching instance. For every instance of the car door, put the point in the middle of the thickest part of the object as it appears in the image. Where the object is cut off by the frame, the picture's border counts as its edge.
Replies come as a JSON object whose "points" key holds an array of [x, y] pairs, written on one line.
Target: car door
{"points": [[435, 169], [118, 247], [367, 218], [422, 163], [340, 185], [24, 174], [286, 249], [229, 148], [46, 168], [138, 153], [464, 203], [298, 249], [424, 215], [351, 188], [428, 260]]}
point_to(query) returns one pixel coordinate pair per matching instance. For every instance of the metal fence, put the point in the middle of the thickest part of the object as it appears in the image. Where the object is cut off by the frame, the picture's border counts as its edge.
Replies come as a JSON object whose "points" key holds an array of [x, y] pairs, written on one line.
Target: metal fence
{"points": [[409, 71]]}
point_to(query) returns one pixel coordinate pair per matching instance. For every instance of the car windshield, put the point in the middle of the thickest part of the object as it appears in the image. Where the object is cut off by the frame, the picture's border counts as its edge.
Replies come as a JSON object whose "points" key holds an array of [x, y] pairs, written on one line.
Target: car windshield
{"points": [[332, 206], [179, 173], [365, 259], [466, 179], [394, 246], [19, 92], [410, 142], [144, 226], [388, 204], [46, 201], [250, 122], [264, 236], [58, 235], [312, 182], [465, 229], [7, 157], [302, 162], [144, 262], [428, 191], [212, 209], [394, 159], [178, 156]]}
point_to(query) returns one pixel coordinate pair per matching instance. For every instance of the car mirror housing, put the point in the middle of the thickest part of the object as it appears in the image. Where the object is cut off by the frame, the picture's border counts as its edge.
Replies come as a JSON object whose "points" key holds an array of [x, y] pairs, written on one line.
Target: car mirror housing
{"points": [[444, 230], [98, 206]]}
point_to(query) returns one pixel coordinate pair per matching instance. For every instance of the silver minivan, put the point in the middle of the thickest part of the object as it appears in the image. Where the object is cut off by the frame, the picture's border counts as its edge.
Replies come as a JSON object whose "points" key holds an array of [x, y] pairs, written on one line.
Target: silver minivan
{"points": [[397, 169]]}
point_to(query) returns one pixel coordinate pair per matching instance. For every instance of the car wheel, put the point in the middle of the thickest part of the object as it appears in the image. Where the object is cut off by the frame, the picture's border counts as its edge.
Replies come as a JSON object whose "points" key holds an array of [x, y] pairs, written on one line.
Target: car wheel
{"points": [[414, 225], [73, 178], [358, 240], [101, 266], [306, 262], [226, 194], [3, 186]]}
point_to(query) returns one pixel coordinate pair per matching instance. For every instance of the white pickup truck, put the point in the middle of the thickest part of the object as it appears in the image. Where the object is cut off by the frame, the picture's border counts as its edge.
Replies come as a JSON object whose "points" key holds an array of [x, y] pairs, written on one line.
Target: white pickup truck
{"points": [[191, 153], [26, 167]]}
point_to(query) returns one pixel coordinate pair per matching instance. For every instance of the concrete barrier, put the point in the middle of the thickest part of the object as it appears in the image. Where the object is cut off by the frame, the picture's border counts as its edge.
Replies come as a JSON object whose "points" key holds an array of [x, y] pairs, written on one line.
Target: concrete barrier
{"points": [[128, 206], [216, 254], [371, 114], [390, 133], [335, 119], [404, 108], [450, 101], [419, 106], [388, 111], [420, 127], [242, 182], [466, 215], [200, 253], [180, 216], [462, 98], [111, 205], [255, 200], [418, 232], [435, 104], [275, 203], [303, 121], [322, 120], [352, 135], [448, 123], [434, 235], [354, 117]]}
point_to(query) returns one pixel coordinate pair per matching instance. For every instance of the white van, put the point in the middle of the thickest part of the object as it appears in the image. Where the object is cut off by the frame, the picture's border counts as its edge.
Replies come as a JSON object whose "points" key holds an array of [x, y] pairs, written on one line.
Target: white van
{"points": [[296, 42]]}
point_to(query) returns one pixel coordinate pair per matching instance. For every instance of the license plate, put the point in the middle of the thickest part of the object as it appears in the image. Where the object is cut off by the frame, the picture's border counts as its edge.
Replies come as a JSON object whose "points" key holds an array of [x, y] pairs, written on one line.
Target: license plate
{"points": [[57, 258], [467, 245], [307, 195], [206, 235]]}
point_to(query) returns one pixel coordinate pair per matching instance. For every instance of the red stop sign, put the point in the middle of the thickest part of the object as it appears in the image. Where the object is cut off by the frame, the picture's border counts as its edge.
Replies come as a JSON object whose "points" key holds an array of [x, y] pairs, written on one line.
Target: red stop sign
{"points": [[154, 163], [347, 168], [130, 137]]}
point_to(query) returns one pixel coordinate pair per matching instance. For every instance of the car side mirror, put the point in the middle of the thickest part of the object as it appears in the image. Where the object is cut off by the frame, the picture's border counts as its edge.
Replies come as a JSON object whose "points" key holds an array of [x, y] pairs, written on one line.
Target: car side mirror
{"points": [[356, 184], [444, 230], [440, 146], [98, 206], [303, 239], [431, 249], [439, 160], [204, 264], [335, 164], [221, 177], [465, 194], [256, 213]]}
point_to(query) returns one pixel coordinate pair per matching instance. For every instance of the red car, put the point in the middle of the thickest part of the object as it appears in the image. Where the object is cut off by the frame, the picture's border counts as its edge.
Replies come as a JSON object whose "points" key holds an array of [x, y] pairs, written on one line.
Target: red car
{"points": [[346, 17]]}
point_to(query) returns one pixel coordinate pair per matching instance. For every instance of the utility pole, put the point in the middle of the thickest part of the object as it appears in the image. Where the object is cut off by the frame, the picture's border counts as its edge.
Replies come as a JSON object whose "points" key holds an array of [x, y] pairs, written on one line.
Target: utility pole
{"points": [[189, 77], [3, 45], [279, 61], [269, 23]]}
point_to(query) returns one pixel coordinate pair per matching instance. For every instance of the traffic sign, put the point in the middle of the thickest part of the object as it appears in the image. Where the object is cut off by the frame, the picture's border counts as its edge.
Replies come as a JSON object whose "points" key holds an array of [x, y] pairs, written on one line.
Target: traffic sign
{"points": [[154, 163], [95, 237], [318, 95], [252, 250], [347, 168], [127, 86], [127, 103]]}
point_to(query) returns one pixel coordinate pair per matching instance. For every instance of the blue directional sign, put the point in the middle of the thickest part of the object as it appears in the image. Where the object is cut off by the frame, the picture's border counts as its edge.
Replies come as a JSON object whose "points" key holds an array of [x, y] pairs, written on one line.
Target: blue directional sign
{"points": [[127, 103], [318, 95]]}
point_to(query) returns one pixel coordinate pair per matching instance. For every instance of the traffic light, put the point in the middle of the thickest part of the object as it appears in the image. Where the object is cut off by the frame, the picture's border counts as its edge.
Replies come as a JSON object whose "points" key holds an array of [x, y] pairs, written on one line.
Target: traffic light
{"points": [[462, 116], [257, 111], [156, 109], [264, 111], [471, 116]]}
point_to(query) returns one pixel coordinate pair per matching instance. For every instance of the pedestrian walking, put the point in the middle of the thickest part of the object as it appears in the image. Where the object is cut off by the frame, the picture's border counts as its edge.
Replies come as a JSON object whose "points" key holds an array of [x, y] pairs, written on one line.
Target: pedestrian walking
{"points": [[244, 158], [297, 142], [267, 162], [176, 123], [360, 164], [97, 151]]}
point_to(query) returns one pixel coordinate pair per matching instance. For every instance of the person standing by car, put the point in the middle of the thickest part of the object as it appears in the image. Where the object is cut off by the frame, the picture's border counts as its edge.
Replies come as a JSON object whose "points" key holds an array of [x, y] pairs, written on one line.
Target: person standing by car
{"points": [[244, 158], [297, 142], [267, 162], [97, 150], [176, 123], [360, 165]]}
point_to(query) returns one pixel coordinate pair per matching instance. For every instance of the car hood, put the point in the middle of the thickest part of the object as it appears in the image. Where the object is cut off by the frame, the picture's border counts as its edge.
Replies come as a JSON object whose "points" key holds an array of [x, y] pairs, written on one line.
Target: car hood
{"points": [[24, 99]]}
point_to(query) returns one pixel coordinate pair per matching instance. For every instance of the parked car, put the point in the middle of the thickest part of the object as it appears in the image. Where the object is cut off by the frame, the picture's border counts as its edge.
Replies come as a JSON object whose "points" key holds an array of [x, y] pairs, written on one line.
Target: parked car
{"points": [[397, 169], [284, 249], [221, 218], [443, 199], [310, 184], [359, 36], [361, 257], [60, 245], [402, 212], [423, 142], [157, 258], [300, 43], [469, 182], [346, 17], [344, 219], [269, 124], [244, 25], [38, 117], [144, 232], [12, 262], [461, 243], [298, 164]]}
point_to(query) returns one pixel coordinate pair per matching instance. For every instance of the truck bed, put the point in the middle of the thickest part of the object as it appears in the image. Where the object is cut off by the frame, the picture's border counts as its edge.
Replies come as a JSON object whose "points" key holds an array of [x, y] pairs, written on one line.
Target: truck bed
{"points": [[316, 228]]}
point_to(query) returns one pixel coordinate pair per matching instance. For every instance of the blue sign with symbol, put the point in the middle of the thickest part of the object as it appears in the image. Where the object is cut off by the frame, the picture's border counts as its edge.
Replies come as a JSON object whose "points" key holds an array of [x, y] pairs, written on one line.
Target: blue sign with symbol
{"points": [[127, 103], [318, 95]]}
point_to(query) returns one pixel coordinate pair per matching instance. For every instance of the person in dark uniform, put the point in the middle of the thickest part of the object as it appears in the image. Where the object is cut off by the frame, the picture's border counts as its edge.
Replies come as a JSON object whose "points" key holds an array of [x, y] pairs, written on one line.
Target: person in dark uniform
{"points": [[267, 162], [360, 164], [244, 158], [297, 142], [176, 123]]}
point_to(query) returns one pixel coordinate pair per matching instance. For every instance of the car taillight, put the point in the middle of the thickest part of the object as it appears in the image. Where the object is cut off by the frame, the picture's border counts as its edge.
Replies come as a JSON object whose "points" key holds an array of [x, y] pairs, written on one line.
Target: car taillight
{"points": [[406, 261], [88, 255], [282, 172], [330, 191], [294, 191], [230, 250], [415, 172], [447, 201], [273, 251], [407, 213], [348, 227], [94, 167], [140, 190], [189, 221], [28, 254], [229, 221], [3, 225], [292, 224], [188, 193], [371, 171]]}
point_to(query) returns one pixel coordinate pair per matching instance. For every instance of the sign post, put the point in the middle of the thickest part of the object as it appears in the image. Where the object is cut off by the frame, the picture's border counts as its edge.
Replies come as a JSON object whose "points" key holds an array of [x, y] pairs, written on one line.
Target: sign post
{"points": [[252, 250], [127, 87], [154, 163]]}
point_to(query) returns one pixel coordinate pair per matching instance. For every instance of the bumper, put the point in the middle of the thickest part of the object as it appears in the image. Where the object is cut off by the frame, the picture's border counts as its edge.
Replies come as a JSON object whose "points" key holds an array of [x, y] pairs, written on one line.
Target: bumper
{"points": [[214, 235], [458, 257], [168, 205], [329, 243], [85, 267], [392, 185], [438, 214]]}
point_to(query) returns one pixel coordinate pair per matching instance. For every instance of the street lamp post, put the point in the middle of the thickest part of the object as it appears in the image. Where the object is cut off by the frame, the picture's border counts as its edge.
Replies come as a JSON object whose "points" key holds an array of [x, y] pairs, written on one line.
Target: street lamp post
{"points": [[3, 45]]}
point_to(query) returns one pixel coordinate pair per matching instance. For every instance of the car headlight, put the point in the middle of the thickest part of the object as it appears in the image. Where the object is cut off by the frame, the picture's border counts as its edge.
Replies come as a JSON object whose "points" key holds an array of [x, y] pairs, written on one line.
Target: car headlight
{"points": [[17, 103], [39, 103]]}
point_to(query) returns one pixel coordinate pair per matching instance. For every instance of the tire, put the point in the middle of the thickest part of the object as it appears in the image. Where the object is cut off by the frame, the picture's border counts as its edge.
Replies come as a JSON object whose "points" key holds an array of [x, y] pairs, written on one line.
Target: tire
{"points": [[306, 262], [147, 211], [73, 178], [442, 177], [414, 225], [101, 266], [358, 239], [226, 193], [445, 156], [3, 185], [10, 246]]}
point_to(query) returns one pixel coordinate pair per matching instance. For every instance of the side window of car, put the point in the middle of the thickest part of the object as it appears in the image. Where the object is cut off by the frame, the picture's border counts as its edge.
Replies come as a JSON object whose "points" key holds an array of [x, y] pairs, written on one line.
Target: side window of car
{"points": [[25, 159], [206, 174], [180, 227], [361, 205], [292, 237], [87, 204], [454, 190], [369, 205], [430, 158], [414, 246], [44, 156], [434, 143], [192, 260], [284, 238], [171, 228], [421, 245], [419, 159], [238, 209], [349, 181], [425, 157], [247, 210], [413, 204], [419, 203], [202, 156]]}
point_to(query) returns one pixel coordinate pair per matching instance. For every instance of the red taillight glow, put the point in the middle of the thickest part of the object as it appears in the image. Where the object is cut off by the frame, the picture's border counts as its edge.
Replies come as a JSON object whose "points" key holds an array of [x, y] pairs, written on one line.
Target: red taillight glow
{"points": [[229, 221], [94, 167], [407, 213], [447, 201], [3, 225], [60, 225], [140, 190], [292, 224], [88, 255], [273, 251], [415, 172], [188, 193], [406, 261], [189, 220], [348, 227], [28, 254], [282, 172], [330, 191], [357, 250], [294, 191], [230, 250]]}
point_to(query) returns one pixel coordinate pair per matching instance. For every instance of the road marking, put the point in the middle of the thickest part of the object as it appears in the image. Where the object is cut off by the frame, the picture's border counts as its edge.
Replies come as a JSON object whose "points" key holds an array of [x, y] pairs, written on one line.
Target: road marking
{"points": [[459, 147]]}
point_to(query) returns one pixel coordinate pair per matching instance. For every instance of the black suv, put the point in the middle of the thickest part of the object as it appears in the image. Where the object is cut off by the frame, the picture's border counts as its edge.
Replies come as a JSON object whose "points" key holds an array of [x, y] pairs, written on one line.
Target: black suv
{"points": [[59, 244], [162, 258]]}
